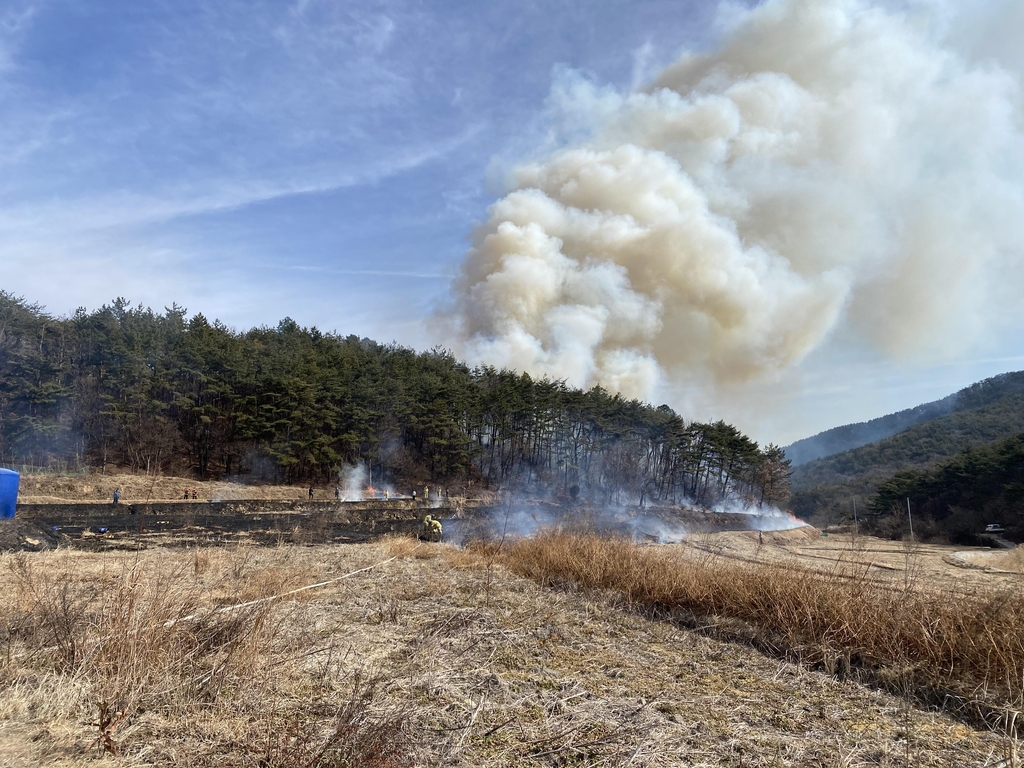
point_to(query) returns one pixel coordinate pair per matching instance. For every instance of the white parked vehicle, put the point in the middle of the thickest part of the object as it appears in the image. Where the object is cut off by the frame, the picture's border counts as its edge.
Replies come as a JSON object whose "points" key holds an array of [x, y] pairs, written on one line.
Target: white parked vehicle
{"points": [[994, 528]]}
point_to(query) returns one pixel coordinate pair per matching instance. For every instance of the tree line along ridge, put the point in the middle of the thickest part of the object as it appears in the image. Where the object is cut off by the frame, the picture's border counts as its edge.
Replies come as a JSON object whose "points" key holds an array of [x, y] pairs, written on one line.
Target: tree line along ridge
{"points": [[128, 387]]}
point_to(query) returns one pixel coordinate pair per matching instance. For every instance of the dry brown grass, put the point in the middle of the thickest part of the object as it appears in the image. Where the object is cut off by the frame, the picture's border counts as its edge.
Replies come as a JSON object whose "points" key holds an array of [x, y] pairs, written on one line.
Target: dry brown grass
{"points": [[437, 657], [51, 488], [948, 646], [1011, 561], [163, 637], [44, 487]]}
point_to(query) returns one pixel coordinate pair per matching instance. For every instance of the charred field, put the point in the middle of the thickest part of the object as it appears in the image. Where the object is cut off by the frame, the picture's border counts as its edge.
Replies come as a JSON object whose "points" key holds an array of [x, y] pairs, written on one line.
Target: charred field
{"points": [[565, 648]]}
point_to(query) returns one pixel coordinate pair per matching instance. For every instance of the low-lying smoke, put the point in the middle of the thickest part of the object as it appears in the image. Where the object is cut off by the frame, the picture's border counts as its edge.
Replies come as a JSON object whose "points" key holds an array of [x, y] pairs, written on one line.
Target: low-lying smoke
{"points": [[768, 518], [833, 168], [518, 521], [664, 526], [353, 481]]}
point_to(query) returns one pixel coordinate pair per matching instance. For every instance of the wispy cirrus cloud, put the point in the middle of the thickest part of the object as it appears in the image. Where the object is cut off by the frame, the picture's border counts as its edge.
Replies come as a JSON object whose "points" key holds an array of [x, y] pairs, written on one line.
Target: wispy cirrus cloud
{"points": [[15, 20], [133, 208]]}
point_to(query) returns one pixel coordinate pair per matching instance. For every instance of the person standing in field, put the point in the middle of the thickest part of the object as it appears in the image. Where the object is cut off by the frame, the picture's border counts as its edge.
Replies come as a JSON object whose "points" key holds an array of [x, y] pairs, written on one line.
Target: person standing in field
{"points": [[117, 495]]}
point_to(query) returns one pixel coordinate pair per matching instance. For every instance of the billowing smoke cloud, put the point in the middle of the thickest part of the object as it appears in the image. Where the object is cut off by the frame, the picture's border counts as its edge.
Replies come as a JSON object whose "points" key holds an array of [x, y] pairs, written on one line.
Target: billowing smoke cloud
{"points": [[833, 165]]}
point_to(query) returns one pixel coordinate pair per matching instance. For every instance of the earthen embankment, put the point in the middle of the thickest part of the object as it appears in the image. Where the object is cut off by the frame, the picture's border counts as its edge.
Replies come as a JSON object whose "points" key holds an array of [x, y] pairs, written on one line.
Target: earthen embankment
{"points": [[326, 520]]}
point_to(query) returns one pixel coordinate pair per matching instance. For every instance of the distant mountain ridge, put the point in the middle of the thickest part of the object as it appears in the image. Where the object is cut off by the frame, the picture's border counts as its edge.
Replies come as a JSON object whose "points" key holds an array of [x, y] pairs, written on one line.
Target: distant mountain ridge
{"points": [[979, 415], [849, 436]]}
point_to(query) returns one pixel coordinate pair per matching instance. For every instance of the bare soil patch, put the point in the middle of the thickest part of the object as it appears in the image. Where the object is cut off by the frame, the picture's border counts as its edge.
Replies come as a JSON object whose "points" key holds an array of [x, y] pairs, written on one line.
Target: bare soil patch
{"points": [[20, 535]]}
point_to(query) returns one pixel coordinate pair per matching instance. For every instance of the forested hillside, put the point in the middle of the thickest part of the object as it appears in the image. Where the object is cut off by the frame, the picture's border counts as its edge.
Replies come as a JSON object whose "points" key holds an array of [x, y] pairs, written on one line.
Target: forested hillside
{"points": [[132, 388], [850, 436], [959, 497], [985, 412]]}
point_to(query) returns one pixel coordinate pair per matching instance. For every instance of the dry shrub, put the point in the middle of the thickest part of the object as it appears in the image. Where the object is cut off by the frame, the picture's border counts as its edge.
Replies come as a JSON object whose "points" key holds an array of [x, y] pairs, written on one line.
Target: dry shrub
{"points": [[153, 642], [139, 640], [1012, 560], [399, 546], [968, 645], [361, 731]]}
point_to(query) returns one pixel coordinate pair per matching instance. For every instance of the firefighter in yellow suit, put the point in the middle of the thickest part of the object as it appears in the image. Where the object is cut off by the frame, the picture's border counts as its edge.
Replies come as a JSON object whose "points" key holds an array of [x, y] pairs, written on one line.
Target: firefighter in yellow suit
{"points": [[431, 529]]}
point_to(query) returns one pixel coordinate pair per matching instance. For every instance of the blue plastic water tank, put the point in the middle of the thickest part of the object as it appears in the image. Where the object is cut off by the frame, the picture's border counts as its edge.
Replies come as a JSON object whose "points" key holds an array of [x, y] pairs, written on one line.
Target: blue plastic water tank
{"points": [[9, 480]]}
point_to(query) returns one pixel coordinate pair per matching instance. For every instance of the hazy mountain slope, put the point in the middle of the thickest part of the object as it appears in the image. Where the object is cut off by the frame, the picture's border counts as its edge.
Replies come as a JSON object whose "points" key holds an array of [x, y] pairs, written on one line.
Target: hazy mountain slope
{"points": [[849, 436], [985, 412], [918, 446]]}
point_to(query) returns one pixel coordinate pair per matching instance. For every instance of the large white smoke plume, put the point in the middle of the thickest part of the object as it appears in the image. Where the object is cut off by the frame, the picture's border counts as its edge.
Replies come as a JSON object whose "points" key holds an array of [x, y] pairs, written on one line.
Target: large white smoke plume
{"points": [[831, 165]]}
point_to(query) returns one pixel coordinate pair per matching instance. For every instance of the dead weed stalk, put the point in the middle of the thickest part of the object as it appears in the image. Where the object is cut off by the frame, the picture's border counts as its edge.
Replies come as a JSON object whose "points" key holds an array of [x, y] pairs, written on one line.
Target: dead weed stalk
{"points": [[362, 730], [123, 638]]}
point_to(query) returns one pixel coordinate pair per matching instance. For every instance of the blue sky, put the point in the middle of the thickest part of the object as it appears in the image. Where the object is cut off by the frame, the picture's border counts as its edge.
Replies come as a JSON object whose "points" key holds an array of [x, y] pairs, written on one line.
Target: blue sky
{"points": [[324, 160], [252, 160]]}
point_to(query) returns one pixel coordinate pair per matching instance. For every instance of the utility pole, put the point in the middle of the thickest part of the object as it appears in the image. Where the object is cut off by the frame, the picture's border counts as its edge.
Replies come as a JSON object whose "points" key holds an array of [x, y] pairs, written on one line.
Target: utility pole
{"points": [[911, 519], [856, 523]]}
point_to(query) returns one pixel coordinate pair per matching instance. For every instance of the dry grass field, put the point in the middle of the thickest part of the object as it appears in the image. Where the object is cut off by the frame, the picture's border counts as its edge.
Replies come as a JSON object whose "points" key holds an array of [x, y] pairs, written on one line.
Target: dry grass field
{"points": [[948, 643], [433, 656], [867, 557], [48, 488], [998, 563]]}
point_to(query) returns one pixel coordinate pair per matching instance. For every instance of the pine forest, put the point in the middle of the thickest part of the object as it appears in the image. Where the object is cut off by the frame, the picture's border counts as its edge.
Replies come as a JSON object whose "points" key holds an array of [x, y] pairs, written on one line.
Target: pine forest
{"points": [[129, 388]]}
